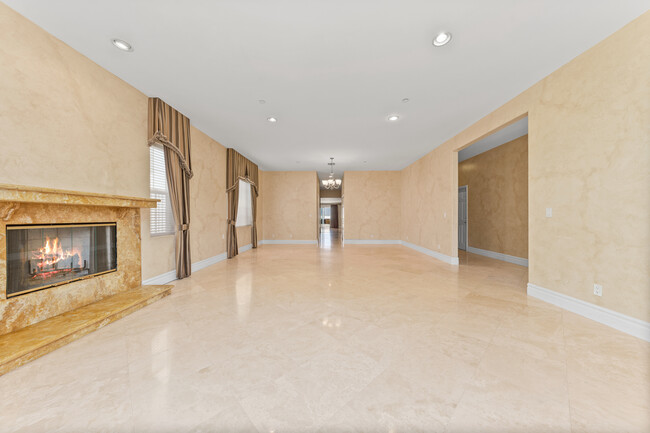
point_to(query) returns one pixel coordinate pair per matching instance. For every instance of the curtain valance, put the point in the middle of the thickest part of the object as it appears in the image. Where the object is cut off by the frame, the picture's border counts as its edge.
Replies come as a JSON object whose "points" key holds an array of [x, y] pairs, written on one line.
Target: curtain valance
{"points": [[240, 167], [171, 129]]}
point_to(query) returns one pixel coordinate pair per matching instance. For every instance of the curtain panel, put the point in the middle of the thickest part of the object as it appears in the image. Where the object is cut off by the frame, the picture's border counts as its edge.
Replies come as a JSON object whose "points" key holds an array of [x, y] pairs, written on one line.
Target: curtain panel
{"points": [[171, 129], [239, 167]]}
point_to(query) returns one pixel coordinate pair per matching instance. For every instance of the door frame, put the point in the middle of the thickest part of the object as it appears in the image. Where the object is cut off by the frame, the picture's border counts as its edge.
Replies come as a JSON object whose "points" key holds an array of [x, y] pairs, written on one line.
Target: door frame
{"points": [[466, 188]]}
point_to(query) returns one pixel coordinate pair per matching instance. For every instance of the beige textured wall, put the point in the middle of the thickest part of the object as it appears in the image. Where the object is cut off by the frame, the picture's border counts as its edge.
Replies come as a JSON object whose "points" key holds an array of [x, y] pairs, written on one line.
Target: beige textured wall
{"points": [[588, 158], [208, 211], [372, 205], [67, 123], [290, 204], [497, 184]]}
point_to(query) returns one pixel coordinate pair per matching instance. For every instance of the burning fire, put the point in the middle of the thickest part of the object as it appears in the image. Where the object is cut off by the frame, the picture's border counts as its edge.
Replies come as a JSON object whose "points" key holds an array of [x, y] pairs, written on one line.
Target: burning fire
{"points": [[52, 253]]}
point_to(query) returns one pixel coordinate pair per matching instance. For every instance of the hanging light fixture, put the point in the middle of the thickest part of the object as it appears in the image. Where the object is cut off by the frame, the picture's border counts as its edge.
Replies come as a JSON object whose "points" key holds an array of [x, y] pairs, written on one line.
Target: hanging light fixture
{"points": [[331, 183]]}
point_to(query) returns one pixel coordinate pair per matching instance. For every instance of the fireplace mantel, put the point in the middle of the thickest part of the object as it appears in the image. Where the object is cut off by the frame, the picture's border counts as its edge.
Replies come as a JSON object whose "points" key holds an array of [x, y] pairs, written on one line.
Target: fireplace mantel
{"points": [[29, 206], [31, 194]]}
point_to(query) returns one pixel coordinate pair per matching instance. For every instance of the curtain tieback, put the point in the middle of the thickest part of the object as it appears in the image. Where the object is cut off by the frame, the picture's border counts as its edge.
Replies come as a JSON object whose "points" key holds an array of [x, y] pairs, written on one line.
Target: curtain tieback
{"points": [[231, 222], [184, 227]]}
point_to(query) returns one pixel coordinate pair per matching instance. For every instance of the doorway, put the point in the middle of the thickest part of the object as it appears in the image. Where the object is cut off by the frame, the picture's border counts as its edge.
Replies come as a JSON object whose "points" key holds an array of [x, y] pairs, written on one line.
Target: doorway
{"points": [[493, 221], [462, 218], [330, 219]]}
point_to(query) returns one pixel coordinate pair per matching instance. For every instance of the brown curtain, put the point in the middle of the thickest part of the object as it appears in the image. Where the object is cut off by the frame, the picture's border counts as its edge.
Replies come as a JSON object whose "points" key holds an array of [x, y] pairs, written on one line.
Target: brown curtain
{"points": [[171, 129], [239, 167], [334, 216]]}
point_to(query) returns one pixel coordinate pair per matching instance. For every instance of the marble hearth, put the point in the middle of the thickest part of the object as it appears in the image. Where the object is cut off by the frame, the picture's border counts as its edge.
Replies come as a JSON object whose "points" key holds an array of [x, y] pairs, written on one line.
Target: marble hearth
{"points": [[20, 205]]}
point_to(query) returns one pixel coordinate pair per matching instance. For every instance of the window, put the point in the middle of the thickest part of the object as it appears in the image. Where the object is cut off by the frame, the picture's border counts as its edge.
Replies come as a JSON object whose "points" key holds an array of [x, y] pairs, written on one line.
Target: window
{"points": [[244, 206], [162, 219], [325, 214]]}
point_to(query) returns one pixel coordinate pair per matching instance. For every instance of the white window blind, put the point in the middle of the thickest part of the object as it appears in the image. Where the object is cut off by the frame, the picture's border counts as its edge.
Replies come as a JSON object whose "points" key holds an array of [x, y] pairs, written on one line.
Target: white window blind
{"points": [[244, 206], [162, 219]]}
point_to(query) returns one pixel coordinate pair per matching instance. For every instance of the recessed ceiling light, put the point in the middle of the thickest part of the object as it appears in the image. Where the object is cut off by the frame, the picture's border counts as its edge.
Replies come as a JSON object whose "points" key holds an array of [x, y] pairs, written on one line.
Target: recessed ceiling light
{"points": [[272, 119], [393, 118], [122, 45], [441, 39], [405, 100], [261, 101]]}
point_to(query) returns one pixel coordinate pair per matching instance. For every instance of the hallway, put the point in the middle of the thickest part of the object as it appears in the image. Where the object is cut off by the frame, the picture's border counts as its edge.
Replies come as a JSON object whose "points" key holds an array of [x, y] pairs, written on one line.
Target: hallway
{"points": [[330, 238]]}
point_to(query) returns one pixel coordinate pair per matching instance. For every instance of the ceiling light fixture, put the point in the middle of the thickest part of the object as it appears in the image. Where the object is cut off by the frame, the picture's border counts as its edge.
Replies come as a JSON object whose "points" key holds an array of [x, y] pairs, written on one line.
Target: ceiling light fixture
{"points": [[331, 183], [261, 101], [122, 45], [272, 119], [393, 117], [441, 39], [405, 100]]}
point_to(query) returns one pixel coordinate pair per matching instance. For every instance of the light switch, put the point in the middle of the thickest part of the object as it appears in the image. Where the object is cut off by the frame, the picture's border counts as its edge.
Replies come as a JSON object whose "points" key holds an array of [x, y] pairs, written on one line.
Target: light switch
{"points": [[549, 212]]}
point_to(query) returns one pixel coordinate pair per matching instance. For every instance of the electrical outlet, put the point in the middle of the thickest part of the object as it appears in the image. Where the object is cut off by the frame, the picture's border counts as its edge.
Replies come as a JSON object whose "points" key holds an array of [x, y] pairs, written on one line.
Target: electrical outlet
{"points": [[598, 290], [372, 236], [549, 212], [290, 236], [438, 246], [445, 215], [223, 236]]}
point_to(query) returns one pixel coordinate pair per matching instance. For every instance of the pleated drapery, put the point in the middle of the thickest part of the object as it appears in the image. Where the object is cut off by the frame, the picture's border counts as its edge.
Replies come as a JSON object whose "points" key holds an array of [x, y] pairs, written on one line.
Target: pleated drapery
{"points": [[171, 129], [239, 167]]}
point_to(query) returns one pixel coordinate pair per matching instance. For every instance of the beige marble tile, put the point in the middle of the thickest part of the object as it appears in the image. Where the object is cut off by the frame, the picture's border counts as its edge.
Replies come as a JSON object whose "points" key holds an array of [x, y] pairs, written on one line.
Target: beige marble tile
{"points": [[246, 345]]}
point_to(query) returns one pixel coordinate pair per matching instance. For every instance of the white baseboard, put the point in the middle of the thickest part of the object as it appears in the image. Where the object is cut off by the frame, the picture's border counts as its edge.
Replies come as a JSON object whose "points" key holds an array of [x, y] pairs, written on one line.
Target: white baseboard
{"points": [[499, 256], [244, 248], [623, 323], [288, 242], [208, 262], [371, 242], [165, 278], [170, 276], [436, 255]]}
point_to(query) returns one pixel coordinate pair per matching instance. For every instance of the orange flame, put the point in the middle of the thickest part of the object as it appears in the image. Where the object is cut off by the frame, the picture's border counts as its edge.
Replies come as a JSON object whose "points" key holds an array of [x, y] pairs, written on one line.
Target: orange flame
{"points": [[52, 253]]}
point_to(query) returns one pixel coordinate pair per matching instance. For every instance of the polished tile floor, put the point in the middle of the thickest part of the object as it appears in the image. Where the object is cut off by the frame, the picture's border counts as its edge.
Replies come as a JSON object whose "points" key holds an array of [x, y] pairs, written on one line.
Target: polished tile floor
{"points": [[342, 339]]}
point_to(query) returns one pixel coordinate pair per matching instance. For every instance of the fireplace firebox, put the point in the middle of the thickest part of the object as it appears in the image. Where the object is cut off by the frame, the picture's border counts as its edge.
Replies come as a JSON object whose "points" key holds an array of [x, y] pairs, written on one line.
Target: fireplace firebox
{"points": [[42, 256]]}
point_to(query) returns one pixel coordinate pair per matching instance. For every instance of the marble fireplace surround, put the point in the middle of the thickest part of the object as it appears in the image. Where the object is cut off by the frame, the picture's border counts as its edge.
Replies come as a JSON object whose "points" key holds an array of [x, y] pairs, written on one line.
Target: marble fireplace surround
{"points": [[32, 205]]}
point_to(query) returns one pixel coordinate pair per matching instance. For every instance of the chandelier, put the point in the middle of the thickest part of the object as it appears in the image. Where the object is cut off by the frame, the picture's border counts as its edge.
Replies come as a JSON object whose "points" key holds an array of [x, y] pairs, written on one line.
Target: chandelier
{"points": [[331, 183]]}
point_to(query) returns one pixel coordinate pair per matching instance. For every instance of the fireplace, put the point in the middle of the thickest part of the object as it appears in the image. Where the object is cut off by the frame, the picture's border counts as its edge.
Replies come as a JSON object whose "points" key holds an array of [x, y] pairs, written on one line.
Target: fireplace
{"points": [[42, 256]]}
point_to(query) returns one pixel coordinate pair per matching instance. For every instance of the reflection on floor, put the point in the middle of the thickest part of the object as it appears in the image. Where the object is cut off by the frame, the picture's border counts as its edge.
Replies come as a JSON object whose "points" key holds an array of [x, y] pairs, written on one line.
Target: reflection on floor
{"points": [[362, 338], [330, 238]]}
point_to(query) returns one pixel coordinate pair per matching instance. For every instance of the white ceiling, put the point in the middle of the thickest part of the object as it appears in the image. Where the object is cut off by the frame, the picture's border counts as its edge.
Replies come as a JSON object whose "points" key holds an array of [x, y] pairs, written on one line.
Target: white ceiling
{"points": [[500, 137], [331, 71]]}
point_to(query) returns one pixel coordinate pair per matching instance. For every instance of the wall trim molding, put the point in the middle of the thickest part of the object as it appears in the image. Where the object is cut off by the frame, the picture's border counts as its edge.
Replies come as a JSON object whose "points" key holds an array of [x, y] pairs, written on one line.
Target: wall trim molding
{"points": [[629, 325], [208, 262], [287, 242], [499, 256], [240, 250], [436, 255], [170, 276], [165, 278], [372, 242]]}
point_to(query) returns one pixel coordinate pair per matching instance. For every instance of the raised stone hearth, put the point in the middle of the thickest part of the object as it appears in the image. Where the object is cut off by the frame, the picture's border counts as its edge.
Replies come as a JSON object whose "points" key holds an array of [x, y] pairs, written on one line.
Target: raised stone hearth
{"points": [[26, 344], [43, 207]]}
